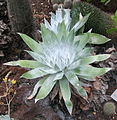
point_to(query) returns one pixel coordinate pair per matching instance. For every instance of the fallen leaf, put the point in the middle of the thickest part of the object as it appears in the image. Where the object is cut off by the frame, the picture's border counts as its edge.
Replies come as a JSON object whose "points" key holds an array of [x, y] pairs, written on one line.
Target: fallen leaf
{"points": [[1, 54], [84, 107], [97, 85], [112, 49], [88, 89]]}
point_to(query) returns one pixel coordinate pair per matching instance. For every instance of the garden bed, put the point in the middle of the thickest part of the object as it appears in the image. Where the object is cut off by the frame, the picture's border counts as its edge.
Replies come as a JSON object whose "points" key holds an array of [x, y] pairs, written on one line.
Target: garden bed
{"points": [[51, 109]]}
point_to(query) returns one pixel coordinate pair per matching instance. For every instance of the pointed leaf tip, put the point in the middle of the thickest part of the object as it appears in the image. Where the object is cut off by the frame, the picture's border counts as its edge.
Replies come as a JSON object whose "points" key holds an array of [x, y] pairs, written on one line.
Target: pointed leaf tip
{"points": [[18, 33], [5, 63], [36, 100], [30, 97], [10, 63], [21, 76], [108, 69], [95, 38]]}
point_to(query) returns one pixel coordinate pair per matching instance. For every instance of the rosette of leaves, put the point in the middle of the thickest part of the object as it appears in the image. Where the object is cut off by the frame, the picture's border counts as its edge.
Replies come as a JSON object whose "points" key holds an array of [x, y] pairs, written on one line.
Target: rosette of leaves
{"points": [[62, 58]]}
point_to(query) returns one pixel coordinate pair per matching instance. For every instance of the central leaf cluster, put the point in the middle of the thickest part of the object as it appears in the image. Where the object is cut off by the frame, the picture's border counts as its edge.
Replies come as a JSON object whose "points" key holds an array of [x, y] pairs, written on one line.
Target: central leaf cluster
{"points": [[60, 54]]}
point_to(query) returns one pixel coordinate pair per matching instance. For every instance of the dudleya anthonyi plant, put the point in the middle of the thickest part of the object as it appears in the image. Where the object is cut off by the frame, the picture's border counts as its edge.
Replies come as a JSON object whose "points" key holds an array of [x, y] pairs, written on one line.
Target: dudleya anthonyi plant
{"points": [[62, 58]]}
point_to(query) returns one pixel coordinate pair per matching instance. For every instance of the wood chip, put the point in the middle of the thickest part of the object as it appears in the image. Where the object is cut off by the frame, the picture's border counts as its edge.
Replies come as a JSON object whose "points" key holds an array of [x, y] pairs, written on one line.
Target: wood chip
{"points": [[1, 54], [97, 85]]}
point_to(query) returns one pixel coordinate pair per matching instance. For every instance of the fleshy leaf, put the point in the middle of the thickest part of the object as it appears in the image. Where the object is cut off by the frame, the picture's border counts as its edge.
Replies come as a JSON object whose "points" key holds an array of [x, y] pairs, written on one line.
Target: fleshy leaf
{"points": [[59, 76], [38, 57], [47, 35], [73, 79], [67, 18], [59, 17], [66, 93], [36, 87], [47, 25], [88, 70], [81, 23], [92, 59], [97, 38], [35, 73], [89, 78], [24, 63], [83, 53], [74, 65], [61, 30], [71, 36], [33, 45], [47, 86], [83, 41], [93, 38]]}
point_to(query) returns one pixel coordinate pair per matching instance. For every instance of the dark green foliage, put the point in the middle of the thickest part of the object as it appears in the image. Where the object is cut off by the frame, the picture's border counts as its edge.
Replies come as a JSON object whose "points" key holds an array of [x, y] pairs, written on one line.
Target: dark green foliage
{"points": [[99, 21], [114, 18]]}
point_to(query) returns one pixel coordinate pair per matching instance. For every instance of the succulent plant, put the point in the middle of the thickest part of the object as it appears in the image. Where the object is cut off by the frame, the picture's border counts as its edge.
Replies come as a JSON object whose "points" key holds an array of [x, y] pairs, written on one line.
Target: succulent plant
{"points": [[109, 108], [60, 6], [67, 4], [62, 58], [55, 7], [114, 29]]}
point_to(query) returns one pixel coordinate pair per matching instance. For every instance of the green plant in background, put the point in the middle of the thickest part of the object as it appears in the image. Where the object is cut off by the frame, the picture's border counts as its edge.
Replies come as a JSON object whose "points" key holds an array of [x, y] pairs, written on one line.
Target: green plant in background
{"points": [[109, 108], [102, 1], [105, 1], [99, 21], [62, 58], [114, 18]]}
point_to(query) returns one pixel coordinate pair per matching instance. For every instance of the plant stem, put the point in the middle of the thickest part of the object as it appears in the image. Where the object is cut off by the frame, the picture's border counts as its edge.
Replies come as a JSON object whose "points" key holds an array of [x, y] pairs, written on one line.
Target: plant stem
{"points": [[9, 110]]}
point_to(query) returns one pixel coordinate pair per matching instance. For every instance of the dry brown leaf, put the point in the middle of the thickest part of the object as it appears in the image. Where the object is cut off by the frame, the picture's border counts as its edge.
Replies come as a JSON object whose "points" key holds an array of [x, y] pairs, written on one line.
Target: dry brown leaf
{"points": [[84, 107], [112, 49], [97, 85], [88, 89]]}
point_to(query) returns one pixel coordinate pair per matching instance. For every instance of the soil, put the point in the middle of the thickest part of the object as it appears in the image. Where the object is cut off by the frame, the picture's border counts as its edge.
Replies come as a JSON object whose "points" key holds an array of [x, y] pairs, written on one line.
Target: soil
{"points": [[51, 109]]}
